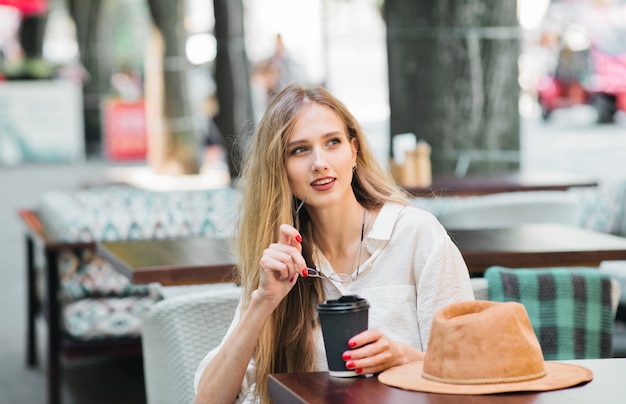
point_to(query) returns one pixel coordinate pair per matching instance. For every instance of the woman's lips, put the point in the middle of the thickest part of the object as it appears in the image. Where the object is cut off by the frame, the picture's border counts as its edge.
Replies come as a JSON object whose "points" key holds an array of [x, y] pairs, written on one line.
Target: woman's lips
{"points": [[323, 184]]}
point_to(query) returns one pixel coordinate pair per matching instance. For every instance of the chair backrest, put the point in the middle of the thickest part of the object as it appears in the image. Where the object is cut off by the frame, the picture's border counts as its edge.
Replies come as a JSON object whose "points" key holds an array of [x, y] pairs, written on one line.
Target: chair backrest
{"points": [[509, 209], [571, 309], [177, 333]]}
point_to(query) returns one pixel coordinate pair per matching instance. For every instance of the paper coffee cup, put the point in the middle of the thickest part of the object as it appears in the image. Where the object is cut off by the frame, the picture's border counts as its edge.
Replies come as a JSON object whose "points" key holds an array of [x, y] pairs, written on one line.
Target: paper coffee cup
{"points": [[341, 320]]}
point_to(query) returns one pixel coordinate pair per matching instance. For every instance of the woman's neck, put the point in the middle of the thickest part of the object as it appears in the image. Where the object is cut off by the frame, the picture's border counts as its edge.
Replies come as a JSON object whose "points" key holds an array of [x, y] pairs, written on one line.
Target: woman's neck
{"points": [[338, 234]]}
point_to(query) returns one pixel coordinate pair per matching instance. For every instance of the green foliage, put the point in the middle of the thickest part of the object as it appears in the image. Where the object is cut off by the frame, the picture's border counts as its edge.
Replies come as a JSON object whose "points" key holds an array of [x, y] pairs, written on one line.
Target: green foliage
{"points": [[27, 69]]}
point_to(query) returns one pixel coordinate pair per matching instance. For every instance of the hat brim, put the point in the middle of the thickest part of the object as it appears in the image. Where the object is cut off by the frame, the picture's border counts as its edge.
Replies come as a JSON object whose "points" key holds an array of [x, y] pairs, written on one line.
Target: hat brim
{"points": [[558, 376]]}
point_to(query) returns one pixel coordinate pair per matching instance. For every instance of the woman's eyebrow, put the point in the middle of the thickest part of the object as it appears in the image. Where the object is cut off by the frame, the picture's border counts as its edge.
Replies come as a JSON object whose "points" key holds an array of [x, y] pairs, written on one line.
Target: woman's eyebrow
{"points": [[324, 136], [296, 143]]}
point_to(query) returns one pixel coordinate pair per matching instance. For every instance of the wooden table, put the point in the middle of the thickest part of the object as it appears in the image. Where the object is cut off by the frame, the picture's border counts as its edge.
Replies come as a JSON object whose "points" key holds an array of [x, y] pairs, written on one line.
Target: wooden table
{"points": [[536, 245], [499, 183], [173, 261], [205, 260], [607, 386]]}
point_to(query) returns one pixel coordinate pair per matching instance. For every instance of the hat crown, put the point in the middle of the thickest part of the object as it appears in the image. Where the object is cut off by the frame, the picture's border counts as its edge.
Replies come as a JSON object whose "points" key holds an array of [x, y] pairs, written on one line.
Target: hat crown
{"points": [[483, 342]]}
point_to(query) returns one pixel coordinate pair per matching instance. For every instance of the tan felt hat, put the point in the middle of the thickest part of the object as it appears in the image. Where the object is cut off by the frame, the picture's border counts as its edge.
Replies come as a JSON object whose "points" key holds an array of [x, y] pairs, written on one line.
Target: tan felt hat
{"points": [[483, 347]]}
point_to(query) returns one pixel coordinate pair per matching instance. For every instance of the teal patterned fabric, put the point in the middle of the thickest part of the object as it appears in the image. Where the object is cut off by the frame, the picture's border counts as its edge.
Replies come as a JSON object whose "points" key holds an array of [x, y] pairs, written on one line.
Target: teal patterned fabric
{"points": [[98, 318], [112, 213], [98, 302], [604, 206], [569, 308], [85, 275]]}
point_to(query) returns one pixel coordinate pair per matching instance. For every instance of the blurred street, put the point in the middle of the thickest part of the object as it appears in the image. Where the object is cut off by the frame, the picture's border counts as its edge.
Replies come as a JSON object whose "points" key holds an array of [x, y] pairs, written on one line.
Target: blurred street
{"points": [[571, 141]]}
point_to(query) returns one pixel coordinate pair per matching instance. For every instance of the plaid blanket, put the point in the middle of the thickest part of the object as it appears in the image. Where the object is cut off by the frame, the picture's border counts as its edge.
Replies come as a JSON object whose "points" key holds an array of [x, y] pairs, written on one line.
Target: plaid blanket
{"points": [[569, 308]]}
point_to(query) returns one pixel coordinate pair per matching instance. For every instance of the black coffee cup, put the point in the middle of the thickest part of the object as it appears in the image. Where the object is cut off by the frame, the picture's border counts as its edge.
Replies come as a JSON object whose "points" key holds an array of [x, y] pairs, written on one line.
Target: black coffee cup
{"points": [[341, 320]]}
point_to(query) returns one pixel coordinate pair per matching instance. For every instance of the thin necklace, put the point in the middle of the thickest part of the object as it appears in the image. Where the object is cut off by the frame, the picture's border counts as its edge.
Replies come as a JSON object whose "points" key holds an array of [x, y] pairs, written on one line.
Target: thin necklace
{"points": [[342, 277], [359, 248]]}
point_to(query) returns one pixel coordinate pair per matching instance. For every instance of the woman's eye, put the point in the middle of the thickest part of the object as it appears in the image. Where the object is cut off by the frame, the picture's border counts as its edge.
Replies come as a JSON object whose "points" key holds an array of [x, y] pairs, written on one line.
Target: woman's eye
{"points": [[299, 149], [334, 141]]}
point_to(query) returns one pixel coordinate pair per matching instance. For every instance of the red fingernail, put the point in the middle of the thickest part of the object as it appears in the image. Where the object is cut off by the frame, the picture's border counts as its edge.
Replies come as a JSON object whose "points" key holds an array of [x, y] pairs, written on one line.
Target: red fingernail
{"points": [[298, 238], [346, 356], [359, 371], [352, 344], [291, 279], [305, 272], [350, 365]]}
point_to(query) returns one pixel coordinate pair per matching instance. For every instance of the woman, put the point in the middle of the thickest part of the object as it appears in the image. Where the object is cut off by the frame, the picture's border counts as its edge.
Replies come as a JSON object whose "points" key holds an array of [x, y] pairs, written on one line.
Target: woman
{"points": [[355, 227]]}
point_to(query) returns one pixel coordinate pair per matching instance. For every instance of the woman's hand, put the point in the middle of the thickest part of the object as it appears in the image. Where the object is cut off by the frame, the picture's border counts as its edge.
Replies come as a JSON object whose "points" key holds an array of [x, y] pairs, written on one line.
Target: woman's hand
{"points": [[221, 379], [281, 264], [373, 352]]}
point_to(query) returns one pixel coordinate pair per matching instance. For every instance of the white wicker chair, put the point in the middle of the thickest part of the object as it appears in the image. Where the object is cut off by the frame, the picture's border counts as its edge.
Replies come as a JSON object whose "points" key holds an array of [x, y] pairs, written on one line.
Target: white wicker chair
{"points": [[177, 333]]}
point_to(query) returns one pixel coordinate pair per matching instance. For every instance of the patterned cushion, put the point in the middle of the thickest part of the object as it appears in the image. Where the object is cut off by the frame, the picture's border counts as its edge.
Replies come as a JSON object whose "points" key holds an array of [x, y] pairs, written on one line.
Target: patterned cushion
{"points": [[85, 275], [604, 206], [99, 302], [617, 271], [126, 213], [105, 317], [569, 308]]}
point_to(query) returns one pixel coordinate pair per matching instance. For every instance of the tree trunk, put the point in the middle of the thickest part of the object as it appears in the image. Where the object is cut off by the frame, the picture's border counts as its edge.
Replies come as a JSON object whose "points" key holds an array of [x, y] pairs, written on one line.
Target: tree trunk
{"points": [[173, 145], [235, 117], [31, 35], [86, 16], [453, 81]]}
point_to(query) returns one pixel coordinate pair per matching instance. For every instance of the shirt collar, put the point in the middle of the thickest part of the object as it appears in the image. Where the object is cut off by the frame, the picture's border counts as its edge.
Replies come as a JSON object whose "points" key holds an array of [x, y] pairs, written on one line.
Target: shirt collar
{"points": [[386, 220]]}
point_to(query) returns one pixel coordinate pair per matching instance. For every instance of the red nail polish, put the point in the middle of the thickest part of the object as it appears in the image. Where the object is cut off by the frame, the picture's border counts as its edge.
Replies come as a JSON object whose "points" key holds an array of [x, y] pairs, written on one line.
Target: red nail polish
{"points": [[305, 272], [298, 238], [359, 371], [291, 279], [346, 356], [352, 344], [350, 365]]}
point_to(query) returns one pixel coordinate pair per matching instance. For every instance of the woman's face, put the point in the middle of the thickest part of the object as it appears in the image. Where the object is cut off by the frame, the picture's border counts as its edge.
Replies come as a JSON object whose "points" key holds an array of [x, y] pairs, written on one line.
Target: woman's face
{"points": [[320, 157]]}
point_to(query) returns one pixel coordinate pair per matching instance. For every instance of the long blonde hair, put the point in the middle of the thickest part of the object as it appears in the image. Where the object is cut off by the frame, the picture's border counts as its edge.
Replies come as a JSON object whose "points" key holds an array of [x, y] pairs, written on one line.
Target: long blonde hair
{"points": [[286, 343]]}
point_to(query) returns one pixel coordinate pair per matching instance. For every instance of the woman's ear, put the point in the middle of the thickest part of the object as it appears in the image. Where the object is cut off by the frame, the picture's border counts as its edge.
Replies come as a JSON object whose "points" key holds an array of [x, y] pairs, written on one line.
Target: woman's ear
{"points": [[354, 144]]}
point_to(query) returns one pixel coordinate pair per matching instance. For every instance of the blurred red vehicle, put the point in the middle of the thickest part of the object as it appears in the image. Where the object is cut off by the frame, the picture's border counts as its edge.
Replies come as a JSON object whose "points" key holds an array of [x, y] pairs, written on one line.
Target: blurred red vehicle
{"points": [[598, 79]]}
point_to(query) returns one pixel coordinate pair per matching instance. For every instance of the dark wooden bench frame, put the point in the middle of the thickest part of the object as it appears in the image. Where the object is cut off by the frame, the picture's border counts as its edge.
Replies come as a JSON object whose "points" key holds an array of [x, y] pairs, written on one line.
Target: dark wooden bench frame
{"points": [[58, 343]]}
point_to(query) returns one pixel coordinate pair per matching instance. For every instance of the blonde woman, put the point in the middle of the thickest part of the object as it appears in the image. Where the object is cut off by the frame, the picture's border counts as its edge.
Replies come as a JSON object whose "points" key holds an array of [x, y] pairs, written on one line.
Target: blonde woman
{"points": [[353, 227]]}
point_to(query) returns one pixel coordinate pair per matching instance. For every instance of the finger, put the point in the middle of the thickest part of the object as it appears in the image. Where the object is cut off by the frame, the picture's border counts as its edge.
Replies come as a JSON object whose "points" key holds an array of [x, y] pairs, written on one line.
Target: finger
{"points": [[366, 344], [367, 351], [290, 236], [283, 259], [295, 253], [365, 366], [364, 338], [373, 362], [281, 272], [277, 263]]}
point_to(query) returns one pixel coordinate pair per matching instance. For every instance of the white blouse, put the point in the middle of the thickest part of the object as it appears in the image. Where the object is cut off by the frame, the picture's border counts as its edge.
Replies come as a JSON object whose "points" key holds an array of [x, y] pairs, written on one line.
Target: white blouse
{"points": [[414, 269]]}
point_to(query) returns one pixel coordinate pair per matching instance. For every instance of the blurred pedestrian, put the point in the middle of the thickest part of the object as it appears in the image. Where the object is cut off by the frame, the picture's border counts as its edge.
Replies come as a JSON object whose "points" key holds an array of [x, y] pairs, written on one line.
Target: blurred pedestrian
{"points": [[274, 73]]}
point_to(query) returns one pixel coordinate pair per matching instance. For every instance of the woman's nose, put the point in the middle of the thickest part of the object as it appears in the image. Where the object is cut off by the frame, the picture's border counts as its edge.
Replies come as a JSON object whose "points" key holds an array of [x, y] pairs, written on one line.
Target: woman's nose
{"points": [[319, 161]]}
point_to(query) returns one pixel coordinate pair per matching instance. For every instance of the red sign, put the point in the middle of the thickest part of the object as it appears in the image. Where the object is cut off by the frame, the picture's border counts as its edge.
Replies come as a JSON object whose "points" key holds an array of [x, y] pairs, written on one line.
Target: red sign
{"points": [[27, 7], [125, 130]]}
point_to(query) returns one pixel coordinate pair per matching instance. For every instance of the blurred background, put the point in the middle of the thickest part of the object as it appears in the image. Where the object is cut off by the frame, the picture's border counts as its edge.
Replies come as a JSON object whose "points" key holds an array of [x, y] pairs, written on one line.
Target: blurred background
{"points": [[170, 85], [339, 44]]}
